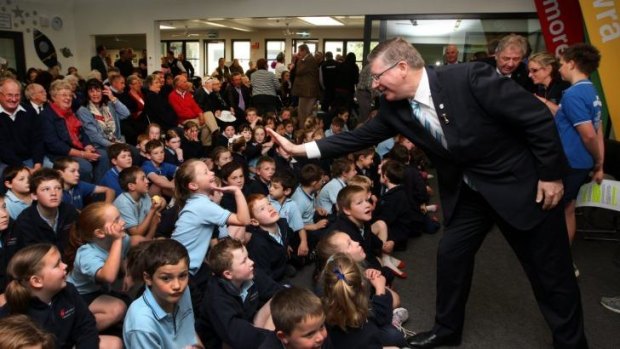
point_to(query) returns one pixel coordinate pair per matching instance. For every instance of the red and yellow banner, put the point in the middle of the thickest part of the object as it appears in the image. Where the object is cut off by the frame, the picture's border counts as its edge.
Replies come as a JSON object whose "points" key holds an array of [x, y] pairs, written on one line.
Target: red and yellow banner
{"points": [[602, 20], [561, 23]]}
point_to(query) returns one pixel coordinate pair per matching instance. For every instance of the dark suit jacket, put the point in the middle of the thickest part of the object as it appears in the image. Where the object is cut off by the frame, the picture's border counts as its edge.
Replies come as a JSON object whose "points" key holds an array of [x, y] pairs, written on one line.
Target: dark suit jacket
{"points": [[520, 75], [202, 99], [499, 134], [96, 63], [232, 97]]}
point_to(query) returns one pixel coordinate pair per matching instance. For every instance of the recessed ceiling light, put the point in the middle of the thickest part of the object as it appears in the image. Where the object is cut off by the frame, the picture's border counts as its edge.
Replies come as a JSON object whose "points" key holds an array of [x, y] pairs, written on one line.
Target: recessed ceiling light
{"points": [[321, 21], [163, 26]]}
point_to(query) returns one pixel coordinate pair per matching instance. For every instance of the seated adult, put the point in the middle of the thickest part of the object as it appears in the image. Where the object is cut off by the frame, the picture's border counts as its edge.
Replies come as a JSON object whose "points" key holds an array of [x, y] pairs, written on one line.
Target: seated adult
{"points": [[101, 116], [64, 135], [135, 91], [202, 95], [36, 98], [118, 87], [156, 106], [186, 108], [238, 97], [21, 140]]}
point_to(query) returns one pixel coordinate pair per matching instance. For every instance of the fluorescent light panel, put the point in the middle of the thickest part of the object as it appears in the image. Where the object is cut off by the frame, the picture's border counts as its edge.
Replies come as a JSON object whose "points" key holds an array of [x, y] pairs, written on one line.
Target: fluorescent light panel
{"points": [[321, 21], [163, 26]]}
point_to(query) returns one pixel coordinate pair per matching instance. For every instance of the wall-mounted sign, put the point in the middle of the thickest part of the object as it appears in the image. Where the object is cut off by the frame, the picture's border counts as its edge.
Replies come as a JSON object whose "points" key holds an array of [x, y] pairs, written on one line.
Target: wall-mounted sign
{"points": [[5, 21]]}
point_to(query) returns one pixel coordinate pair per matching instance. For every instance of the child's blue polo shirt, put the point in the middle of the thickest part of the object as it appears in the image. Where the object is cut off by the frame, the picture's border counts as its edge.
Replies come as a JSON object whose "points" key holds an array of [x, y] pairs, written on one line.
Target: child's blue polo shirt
{"points": [[133, 212], [305, 204], [110, 180], [14, 205], [164, 169], [327, 197], [75, 196], [289, 210]]}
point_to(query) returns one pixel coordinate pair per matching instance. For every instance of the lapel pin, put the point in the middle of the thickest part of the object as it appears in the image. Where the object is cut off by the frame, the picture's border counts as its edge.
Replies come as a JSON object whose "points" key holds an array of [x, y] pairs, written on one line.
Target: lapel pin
{"points": [[444, 118]]}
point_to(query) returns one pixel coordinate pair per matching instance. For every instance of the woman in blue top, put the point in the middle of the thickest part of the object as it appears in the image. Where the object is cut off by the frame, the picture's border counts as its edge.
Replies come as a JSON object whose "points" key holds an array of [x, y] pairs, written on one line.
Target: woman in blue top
{"points": [[579, 123]]}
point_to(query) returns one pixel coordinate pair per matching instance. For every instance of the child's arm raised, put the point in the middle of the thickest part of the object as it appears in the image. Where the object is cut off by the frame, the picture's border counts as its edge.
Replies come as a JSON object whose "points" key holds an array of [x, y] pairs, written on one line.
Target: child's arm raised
{"points": [[109, 271], [160, 181], [109, 193], [242, 217]]}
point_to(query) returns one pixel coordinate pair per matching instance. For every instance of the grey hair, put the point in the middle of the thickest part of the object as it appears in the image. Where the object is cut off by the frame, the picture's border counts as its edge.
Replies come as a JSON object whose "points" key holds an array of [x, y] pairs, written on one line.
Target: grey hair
{"points": [[512, 40], [397, 49], [58, 85]]}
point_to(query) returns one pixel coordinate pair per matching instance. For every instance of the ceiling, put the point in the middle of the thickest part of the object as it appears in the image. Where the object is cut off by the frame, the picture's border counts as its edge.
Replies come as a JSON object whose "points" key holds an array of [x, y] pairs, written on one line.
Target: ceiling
{"points": [[254, 24]]}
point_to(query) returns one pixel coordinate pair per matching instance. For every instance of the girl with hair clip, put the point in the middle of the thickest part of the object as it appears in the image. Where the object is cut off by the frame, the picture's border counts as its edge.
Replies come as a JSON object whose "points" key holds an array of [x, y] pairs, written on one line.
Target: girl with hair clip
{"points": [[40, 290], [97, 247], [356, 318], [173, 152]]}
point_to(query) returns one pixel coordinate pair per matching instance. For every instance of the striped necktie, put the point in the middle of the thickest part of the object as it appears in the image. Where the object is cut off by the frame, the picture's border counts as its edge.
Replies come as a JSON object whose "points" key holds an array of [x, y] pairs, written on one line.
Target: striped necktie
{"points": [[434, 128]]}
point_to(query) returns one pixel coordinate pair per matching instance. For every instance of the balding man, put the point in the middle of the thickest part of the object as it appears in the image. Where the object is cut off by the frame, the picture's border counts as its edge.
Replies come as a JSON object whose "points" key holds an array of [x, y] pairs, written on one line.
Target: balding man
{"points": [[451, 55], [499, 161], [36, 98], [186, 108], [21, 140]]}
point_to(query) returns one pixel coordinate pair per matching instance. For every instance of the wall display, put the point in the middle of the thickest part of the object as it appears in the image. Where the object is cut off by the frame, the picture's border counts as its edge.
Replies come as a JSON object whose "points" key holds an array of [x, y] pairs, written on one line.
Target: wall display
{"points": [[45, 49]]}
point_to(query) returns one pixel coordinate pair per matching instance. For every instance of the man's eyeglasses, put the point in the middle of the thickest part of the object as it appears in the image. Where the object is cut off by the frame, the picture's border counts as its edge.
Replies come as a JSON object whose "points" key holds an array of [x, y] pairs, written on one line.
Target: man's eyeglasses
{"points": [[376, 77]]}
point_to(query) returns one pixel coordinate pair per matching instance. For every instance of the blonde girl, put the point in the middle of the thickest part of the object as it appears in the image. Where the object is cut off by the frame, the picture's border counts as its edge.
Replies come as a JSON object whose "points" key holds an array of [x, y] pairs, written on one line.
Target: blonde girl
{"points": [[97, 247], [19, 332], [40, 290]]}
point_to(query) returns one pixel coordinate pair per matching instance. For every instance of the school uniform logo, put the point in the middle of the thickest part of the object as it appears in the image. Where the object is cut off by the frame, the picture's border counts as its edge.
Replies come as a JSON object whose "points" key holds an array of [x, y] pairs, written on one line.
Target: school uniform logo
{"points": [[66, 312]]}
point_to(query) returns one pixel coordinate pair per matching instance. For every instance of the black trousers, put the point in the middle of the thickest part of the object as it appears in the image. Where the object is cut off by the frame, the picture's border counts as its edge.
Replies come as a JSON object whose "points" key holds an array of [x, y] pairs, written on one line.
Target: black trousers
{"points": [[543, 252]]}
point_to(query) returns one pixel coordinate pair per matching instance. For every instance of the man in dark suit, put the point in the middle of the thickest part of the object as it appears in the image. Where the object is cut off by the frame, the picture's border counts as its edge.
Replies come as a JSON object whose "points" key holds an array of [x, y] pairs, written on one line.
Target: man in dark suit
{"points": [[451, 55], [499, 161], [508, 60], [239, 97], [98, 62]]}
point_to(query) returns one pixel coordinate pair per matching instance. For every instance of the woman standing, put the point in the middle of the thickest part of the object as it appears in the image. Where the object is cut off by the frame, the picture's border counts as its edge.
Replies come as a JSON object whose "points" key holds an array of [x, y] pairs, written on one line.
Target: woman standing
{"points": [[544, 71], [265, 88]]}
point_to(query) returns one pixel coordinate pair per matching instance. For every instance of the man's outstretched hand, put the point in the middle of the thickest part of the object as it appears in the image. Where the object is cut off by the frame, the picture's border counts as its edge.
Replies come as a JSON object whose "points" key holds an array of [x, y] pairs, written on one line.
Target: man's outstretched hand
{"points": [[286, 145]]}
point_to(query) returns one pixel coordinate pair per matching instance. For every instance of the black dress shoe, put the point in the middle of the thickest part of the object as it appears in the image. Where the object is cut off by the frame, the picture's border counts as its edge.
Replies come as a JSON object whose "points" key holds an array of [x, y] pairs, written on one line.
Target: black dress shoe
{"points": [[431, 340]]}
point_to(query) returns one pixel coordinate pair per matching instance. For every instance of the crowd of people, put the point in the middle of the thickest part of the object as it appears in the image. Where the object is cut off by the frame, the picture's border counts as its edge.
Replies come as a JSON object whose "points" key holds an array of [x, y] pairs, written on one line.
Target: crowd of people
{"points": [[145, 211]]}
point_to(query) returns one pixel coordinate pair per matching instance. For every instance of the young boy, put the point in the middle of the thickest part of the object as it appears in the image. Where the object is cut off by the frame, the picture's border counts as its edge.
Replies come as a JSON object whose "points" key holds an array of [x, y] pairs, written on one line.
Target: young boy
{"points": [[265, 168], [158, 172], [269, 244], [280, 191], [162, 317], [342, 170], [336, 127], [393, 207], [49, 219], [238, 308], [16, 180], [299, 321], [140, 213], [289, 129], [141, 145], [355, 214], [120, 157], [74, 190], [310, 182]]}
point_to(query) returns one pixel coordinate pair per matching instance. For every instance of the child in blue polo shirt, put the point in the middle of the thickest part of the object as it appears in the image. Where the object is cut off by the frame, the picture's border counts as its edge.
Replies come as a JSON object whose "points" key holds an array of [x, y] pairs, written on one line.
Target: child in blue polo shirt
{"points": [[140, 213], [120, 157], [163, 316], [342, 170], [74, 190], [16, 180], [198, 217], [159, 173]]}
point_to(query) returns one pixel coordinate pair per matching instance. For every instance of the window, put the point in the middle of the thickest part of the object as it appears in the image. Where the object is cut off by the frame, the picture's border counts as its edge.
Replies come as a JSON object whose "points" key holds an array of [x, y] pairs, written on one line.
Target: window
{"points": [[215, 49], [186, 47], [272, 48], [334, 46], [343, 47], [241, 51]]}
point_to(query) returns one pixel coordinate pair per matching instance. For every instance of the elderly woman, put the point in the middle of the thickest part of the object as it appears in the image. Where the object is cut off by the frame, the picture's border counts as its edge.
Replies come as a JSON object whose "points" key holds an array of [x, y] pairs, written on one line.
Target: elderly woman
{"points": [[156, 106], [138, 119], [544, 72], [101, 114], [64, 135], [265, 86]]}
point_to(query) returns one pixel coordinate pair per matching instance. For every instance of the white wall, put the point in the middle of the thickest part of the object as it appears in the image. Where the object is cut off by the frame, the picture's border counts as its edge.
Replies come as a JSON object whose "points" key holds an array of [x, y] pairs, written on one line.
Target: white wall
{"points": [[85, 18]]}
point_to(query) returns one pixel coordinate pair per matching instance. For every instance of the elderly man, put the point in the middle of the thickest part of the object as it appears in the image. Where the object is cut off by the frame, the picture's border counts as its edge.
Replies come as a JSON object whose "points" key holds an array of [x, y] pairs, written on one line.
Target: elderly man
{"points": [[21, 140], [451, 55], [36, 98], [499, 162], [201, 95], [238, 96], [187, 109]]}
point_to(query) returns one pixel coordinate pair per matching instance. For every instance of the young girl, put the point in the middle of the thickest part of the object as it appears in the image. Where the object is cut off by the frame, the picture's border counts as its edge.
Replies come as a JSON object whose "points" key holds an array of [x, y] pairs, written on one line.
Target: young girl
{"points": [[39, 289], [221, 156], [354, 319], [259, 141], [19, 332], [18, 197], [154, 131], [173, 152], [199, 216], [224, 137], [97, 247], [232, 175]]}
